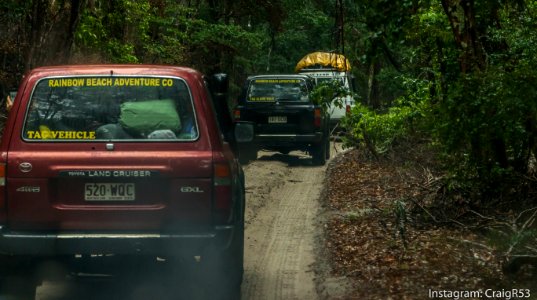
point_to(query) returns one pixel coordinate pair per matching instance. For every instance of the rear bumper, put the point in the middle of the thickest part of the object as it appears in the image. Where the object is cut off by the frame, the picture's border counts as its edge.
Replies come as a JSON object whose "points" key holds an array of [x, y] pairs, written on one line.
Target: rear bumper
{"points": [[69, 243], [284, 139]]}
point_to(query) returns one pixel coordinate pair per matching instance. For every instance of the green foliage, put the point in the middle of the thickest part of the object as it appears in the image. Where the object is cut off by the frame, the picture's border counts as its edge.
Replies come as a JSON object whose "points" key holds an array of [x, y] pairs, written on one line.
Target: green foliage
{"points": [[11, 14], [114, 30], [480, 114], [406, 119], [515, 237], [135, 31], [486, 125], [306, 29], [303, 28], [401, 219], [329, 93], [377, 131]]}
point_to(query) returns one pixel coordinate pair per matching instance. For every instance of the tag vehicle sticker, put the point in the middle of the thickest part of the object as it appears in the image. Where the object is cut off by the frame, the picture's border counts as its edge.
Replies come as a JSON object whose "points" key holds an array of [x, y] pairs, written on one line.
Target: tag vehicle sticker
{"points": [[261, 99], [68, 135]]}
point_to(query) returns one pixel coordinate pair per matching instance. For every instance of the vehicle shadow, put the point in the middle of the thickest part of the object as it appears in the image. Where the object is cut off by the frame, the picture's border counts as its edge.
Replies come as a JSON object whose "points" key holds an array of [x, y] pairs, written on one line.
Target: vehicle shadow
{"points": [[293, 159], [156, 282]]}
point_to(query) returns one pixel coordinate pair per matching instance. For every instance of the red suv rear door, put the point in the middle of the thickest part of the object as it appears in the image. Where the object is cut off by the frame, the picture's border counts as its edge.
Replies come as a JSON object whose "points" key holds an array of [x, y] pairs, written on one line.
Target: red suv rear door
{"points": [[94, 172], [88, 187]]}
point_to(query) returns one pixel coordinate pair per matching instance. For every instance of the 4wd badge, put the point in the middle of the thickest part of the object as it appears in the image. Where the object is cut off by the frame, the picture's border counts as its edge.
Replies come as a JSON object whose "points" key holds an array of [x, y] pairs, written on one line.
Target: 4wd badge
{"points": [[29, 189]]}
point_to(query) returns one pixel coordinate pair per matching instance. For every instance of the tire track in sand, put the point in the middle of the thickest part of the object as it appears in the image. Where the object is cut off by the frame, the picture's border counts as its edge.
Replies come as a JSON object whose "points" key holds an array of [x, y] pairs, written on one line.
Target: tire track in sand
{"points": [[279, 243]]}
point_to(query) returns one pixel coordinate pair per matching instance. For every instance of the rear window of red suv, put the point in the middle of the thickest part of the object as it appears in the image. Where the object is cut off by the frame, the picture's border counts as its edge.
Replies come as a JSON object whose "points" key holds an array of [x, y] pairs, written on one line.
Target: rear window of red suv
{"points": [[92, 108]]}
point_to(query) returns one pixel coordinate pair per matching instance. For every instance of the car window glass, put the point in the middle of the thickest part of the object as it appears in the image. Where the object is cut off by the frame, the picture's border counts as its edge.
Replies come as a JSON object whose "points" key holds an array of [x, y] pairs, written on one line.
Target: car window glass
{"points": [[270, 90], [110, 108], [211, 105]]}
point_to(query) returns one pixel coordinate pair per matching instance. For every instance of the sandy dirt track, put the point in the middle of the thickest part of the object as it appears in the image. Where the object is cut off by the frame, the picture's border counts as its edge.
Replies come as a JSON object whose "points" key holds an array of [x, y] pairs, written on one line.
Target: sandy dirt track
{"points": [[282, 201]]}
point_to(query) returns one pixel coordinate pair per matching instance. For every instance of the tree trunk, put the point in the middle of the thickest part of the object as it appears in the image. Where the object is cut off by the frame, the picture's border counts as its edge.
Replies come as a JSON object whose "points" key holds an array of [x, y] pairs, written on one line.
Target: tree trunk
{"points": [[51, 32], [36, 20], [74, 19], [461, 16], [373, 88]]}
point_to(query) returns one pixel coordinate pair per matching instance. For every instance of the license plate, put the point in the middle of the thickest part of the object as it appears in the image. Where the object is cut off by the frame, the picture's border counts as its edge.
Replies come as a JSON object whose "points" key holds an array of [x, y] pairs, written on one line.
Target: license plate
{"points": [[109, 192], [277, 119]]}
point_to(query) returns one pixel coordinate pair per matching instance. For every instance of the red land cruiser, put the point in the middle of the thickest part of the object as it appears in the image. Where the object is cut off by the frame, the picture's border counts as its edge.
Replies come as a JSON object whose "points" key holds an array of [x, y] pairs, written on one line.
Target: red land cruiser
{"points": [[122, 160]]}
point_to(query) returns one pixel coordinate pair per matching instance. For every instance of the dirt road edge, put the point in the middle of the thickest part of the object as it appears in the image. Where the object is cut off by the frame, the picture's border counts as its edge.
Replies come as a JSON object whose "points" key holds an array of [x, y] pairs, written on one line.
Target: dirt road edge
{"points": [[327, 286]]}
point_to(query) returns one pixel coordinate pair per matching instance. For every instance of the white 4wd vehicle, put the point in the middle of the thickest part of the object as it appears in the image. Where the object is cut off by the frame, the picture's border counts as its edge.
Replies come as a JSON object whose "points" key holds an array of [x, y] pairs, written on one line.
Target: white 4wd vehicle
{"points": [[324, 66]]}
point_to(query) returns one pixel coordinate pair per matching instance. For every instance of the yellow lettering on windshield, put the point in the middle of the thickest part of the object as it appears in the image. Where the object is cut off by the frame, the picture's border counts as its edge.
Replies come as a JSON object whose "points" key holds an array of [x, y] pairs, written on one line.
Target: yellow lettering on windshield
{"points": [[135, 81], [277, 81], [66, 82], [102, 81], [110, 81], [260, 99], [61, 134]]}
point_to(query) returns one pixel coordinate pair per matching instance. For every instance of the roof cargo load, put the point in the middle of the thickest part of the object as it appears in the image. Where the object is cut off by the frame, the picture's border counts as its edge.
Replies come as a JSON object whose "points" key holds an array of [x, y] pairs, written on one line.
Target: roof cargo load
{"points": [[324, 59]]}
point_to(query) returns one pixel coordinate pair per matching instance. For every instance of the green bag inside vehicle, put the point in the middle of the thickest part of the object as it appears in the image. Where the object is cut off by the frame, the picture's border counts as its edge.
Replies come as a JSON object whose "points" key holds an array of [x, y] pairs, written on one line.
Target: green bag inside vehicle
{"points": [[143, 117]]}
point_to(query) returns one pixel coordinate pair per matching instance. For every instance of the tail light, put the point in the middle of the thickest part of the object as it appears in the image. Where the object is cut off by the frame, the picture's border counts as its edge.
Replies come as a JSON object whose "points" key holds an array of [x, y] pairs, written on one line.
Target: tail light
{"points": [[2, 174], [236, 115], [317, 117], [348, 109], [2, 193], [222, 192]]}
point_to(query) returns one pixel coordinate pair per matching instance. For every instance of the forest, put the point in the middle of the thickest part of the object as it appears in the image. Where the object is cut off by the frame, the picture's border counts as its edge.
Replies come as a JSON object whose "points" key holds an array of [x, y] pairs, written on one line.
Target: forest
{"points": [[455, 75]]}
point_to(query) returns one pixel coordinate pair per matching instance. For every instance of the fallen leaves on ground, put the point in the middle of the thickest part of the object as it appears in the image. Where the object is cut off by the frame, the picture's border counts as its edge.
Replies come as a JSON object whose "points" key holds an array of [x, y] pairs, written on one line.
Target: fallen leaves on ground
{"points": [[386, 256]]}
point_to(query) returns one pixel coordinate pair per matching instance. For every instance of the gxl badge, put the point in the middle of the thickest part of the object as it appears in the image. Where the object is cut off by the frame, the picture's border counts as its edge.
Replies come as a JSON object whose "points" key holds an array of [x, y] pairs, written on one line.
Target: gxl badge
{"points": [[191, 189]]}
